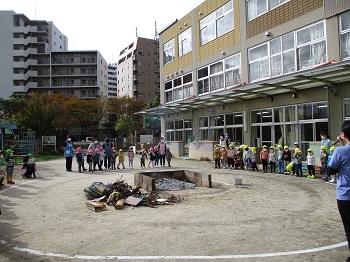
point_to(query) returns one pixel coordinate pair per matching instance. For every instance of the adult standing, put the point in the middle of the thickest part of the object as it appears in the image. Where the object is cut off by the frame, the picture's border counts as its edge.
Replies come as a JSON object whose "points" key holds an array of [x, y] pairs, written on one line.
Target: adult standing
{"points": [[94, 145], [228, 140], [340, 163], [107, 146], [162, 151], [325, 141], [68, 150]]}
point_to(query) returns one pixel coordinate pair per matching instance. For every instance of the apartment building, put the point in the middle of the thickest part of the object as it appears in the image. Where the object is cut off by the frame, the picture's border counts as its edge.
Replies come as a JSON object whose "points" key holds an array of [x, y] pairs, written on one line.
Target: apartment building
{"points": [[83, 74], [25, 47], [265, 72], [138, 70], [112, 80], [34, 57]]}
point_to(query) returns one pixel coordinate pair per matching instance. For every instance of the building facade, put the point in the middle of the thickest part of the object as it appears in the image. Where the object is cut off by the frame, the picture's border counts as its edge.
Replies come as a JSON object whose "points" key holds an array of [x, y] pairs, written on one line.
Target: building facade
{"points": [[25, 47], [138, 70], [112, 80], [34, 57], [83, 74], [265, 72]]}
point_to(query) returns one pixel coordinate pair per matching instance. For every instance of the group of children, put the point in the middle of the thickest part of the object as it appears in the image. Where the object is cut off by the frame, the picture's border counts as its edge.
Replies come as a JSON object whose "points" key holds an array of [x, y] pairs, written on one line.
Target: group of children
{"points": [[95, 158], [245, 158], [155, 157]]}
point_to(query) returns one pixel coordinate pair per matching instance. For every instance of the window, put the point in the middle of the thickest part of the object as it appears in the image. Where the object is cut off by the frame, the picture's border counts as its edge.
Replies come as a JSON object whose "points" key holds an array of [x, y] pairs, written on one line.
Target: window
{"points": [[169, 51], [346, 108], [344, 20], [179, 88], [223, 74], [293, 51], [217, 23], [185, 42], [258, 7], [311, 46]]}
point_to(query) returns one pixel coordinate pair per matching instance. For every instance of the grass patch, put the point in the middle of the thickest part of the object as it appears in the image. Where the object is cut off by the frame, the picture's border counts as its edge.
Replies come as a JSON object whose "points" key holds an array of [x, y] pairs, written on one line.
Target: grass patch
{"points": [[46, 157]]}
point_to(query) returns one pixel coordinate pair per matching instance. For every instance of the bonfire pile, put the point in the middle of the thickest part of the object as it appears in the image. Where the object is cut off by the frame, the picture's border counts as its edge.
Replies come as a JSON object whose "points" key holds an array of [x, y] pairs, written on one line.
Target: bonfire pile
{"points": [[119, 193]]}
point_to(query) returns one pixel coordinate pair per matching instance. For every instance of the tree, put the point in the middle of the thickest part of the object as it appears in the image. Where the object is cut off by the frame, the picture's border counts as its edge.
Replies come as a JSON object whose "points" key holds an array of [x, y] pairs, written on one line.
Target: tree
{"points": [[87, 114], [125, 126], [39, 114], [119, 107], [13, 105], [151, 123]]}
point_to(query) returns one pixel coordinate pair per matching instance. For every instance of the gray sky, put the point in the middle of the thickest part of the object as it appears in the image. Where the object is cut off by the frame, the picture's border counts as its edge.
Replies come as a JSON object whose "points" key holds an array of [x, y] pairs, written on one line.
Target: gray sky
{"points": [[106, 25]]}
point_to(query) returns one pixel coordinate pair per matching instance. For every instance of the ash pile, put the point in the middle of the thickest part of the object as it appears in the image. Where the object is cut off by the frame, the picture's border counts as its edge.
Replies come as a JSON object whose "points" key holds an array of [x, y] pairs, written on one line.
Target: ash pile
{"points": [[120, 193], [170, 184]]}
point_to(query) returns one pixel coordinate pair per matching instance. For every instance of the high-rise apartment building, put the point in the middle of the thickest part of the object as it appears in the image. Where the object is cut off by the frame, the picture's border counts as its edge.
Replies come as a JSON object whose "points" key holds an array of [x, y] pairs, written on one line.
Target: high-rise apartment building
{"points": [[265, 72], [24, 53], [138, 70], [34, 57], [112, 80]]}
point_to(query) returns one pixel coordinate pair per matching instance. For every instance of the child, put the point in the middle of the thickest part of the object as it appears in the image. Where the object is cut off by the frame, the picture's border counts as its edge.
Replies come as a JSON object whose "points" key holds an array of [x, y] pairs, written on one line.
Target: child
{"points": [[156, 160], [333, 177], [2, 173], [230, 156], [323, 159], [310, 161], [239, 158], [30, 165], [90, 159], [96, 158], [168, 155], [131, 156], [223, 155], [113, 157], [152, 157], [272, 159], [280, 160], [264, 157], [253, 158], [10, 164], [121, 158], [298, 162], [143, 158], [290, 168], [101, 158], [216, 156], [247, 157], [286, 157], [79, 158]]}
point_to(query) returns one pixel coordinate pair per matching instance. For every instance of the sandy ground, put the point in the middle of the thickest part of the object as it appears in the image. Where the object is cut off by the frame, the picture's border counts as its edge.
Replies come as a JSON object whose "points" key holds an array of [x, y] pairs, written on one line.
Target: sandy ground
{"points": [[270, 217]]}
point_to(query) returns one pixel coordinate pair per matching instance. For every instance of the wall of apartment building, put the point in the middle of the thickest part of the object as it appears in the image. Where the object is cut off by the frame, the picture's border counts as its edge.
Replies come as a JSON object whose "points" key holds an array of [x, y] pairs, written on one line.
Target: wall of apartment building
{"points": [[138, 70], [6, 55]]}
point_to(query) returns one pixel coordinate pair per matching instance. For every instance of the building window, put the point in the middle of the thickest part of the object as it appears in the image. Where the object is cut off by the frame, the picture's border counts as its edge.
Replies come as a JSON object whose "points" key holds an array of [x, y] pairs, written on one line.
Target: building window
{"points": [[217, 23], [293, 51], [179, 88], [285, 125], [346, 108], [311, 46], [223, 74], [185, 42], [179, 130], [344, 20], [169, 51], [258, 7]]}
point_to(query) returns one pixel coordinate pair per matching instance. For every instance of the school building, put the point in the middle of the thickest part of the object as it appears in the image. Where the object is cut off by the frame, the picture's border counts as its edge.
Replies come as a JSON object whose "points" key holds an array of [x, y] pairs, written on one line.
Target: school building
{"points": [[267, 72]]}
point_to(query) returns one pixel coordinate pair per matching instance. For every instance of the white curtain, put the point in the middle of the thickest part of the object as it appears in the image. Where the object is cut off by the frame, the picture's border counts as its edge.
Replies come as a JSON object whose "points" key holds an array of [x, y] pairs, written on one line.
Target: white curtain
{"points": [[318, 50], [345, 45], [252, 9]]}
